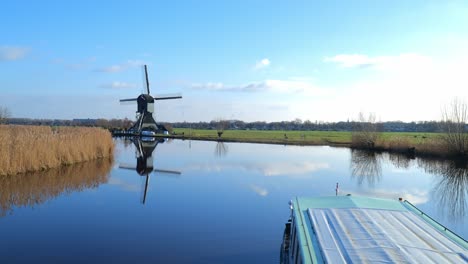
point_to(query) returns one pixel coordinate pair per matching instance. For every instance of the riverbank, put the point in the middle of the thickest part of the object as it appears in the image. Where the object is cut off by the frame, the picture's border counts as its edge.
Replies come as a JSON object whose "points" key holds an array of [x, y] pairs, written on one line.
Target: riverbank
{"points": [[412, 143], [268, 137], [36, 148]]}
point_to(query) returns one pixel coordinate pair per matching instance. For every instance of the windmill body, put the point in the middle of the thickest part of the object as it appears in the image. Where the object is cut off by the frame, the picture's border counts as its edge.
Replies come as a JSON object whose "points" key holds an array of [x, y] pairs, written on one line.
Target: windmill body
{"points": [[146, 124]]}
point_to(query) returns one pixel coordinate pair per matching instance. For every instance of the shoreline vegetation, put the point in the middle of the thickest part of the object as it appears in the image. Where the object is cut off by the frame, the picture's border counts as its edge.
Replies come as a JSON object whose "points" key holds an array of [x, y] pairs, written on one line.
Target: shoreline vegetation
{"points": [[411, 143], [38, 148]]}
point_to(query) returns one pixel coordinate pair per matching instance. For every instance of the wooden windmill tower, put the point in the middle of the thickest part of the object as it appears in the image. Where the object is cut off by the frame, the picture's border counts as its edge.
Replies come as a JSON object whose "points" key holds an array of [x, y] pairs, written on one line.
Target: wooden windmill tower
{"points": [[145, 123]]}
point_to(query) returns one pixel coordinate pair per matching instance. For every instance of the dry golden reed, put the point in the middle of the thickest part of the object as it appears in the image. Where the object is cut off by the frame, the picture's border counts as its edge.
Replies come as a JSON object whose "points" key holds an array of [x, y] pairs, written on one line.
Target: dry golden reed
{"points": [[35, 148]]}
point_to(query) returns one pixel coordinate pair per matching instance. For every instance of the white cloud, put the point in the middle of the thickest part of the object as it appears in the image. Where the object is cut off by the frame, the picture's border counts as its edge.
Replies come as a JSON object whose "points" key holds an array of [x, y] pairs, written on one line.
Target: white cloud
{"points": [[111, 69], [262, 64], [12, 53], [380, 62], [118, 85], [407, 87], [122, 66], [278, 86], [351, 61], [80, 65]]}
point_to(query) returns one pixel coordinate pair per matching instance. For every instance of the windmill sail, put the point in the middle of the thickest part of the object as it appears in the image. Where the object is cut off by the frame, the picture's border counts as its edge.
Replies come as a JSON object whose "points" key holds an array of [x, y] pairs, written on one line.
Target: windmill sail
{"points": [[128, 100], [167, 96], [127, 167], [168, 171], [146, 79]]}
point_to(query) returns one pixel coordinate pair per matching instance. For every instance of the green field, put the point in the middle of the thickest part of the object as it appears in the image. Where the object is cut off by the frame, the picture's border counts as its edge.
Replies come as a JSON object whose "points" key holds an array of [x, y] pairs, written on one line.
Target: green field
{"points": [[298, 137]]}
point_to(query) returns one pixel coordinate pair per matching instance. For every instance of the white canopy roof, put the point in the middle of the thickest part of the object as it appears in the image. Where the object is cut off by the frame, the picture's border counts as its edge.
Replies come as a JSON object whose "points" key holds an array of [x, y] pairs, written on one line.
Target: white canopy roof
{"points": [[356, 235]]}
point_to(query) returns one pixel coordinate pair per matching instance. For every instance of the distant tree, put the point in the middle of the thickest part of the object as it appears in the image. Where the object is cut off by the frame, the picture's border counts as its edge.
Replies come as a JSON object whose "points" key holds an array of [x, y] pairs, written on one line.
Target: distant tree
{"points": [[366, 131], [454, 126], [297, 121], [4, 114], [104, 123], [126, 123], [169, 128]]}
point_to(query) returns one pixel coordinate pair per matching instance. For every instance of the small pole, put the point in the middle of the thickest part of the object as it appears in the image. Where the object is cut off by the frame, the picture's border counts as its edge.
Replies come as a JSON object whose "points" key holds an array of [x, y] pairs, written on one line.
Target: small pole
{"points": [[291, 207], [337, 188]]}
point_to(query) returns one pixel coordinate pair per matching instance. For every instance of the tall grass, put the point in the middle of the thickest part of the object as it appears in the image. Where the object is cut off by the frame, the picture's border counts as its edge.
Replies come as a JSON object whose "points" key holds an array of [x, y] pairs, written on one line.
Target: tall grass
{"points": [[34, 148]]}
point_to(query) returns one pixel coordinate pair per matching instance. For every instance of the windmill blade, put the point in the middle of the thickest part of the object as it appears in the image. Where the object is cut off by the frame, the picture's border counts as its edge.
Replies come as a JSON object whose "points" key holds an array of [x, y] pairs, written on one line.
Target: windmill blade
{"points": [[146, 79], [168, 171], [168, 96], [128, 103], [128, 100], [143, 198], [127, 167]]}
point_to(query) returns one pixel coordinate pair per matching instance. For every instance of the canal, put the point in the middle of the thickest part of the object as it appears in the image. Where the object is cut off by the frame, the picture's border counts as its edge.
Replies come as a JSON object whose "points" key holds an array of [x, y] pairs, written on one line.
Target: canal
{"points": [[203, 202]]}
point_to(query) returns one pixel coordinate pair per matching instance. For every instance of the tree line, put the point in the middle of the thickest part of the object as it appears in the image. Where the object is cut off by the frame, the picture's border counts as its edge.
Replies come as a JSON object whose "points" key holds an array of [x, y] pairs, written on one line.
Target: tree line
{"points": [[390, 126]]}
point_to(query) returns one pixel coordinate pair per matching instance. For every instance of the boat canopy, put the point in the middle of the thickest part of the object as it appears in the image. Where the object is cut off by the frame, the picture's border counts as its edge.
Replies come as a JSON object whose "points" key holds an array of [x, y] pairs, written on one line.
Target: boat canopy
{"points": [[351, 229]]}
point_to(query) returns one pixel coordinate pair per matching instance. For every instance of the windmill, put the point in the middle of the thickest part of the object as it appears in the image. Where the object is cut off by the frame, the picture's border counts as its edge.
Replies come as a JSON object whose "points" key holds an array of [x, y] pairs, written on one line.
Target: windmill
{"points": [[145, 123], [144, 166]]}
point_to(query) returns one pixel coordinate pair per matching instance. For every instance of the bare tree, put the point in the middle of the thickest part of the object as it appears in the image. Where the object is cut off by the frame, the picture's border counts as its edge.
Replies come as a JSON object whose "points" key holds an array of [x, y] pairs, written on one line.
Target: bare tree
{"points": [[365, 132], [4, 114], [454, 122], [221, 149], [221, 125], [366, 165]]}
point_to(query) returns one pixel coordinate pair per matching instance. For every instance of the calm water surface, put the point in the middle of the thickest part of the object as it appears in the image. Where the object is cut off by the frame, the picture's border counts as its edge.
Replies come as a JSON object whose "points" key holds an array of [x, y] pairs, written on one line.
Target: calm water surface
{"points": [[206, 202]]}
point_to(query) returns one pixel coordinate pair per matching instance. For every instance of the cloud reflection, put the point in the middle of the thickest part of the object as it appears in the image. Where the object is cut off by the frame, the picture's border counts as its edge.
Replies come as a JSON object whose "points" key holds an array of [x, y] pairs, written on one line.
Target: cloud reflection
{"points": [[266, 169], [124, 185], [259, 190]]}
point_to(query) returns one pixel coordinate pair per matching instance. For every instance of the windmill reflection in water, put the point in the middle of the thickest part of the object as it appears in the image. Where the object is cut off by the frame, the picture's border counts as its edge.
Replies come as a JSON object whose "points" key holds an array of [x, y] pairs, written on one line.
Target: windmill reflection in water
{"points": [[144, 148]]}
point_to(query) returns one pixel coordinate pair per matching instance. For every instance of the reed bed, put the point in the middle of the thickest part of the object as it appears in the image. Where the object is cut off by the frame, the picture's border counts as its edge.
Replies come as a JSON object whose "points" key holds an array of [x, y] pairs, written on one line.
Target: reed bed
{"points": [[35, 148]]}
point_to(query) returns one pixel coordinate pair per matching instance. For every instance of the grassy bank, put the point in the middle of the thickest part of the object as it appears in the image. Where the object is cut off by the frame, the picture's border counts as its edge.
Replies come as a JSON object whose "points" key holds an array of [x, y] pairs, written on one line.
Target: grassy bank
{"points": [[430, 144], [302, 137], [34, 148], [272, 137]]}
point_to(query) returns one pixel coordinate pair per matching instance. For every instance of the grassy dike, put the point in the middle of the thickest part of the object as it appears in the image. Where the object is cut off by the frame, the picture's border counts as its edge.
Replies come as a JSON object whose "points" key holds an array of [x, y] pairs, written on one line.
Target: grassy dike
{"points": [[35, 148], [269, 137], [423, 143]]}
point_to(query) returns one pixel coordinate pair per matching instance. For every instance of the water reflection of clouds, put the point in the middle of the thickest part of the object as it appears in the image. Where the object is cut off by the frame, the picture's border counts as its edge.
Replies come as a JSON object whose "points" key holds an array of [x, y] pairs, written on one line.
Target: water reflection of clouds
{"points": [[266, 169], [129, 187], [259, 190]]}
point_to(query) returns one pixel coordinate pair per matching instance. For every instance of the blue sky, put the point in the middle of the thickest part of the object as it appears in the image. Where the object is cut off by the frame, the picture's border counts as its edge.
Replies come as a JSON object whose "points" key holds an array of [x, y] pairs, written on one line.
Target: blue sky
{"points": [[248, 60]]}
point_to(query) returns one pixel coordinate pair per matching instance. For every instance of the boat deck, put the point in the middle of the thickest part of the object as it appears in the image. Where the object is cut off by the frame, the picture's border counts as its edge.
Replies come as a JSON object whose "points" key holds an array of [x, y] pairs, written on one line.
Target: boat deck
{"points": [[366, 230]]}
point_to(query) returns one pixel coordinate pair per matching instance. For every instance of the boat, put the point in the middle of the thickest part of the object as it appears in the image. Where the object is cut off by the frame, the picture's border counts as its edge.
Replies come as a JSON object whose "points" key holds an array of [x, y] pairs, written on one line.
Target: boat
{"points": [[354, 229]]}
